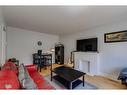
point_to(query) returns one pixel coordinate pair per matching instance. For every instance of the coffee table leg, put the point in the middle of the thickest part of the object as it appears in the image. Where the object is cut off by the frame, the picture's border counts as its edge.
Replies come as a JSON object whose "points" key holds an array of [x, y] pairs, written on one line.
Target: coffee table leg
{"points": [[70, 85], [51, 75], [83, 80]]}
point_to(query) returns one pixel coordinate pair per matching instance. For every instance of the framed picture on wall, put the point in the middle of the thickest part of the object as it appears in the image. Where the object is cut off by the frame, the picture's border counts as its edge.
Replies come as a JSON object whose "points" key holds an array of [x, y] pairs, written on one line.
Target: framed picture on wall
{"points": [[120, 36]]}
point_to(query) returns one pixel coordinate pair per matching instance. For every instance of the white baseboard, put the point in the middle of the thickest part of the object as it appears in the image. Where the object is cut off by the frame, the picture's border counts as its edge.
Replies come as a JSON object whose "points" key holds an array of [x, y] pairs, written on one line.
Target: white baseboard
{"points": [[109, 76], [90, 74]]}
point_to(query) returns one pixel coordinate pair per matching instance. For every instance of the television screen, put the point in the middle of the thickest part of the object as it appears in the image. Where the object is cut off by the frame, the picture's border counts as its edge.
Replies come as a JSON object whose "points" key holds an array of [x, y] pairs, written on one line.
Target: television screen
{"points": [[87, 44]]}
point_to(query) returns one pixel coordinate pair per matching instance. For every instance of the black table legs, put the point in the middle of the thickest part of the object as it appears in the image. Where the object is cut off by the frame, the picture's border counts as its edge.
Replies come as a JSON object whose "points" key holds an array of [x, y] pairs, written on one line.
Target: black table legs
{"points": [[70, 85], [51, 75], [83, 80]]}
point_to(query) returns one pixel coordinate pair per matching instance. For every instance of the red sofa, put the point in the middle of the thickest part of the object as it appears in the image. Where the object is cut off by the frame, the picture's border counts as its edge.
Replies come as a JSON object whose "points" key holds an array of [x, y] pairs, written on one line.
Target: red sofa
{"points": [[9, 77]]}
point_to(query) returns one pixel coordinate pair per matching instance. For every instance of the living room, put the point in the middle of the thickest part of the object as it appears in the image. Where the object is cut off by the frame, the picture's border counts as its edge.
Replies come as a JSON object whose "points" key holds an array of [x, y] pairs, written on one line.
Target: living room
{"points": [[27, 29]]}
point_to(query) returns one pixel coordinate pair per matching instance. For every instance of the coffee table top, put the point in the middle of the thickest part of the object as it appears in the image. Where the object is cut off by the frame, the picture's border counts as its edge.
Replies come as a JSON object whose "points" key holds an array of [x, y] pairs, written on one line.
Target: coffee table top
{"points": [[68, 73]]}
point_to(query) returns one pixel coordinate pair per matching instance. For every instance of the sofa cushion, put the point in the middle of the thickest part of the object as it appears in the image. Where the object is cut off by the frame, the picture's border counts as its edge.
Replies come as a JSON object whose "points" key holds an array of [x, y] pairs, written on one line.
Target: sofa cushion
{"points": [[8, 80], [40, 81], [31, 68]]}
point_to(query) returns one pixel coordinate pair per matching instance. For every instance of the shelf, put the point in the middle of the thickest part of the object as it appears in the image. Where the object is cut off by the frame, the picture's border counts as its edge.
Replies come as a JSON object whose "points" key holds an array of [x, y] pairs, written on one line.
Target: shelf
{"points": [[66, 83]]}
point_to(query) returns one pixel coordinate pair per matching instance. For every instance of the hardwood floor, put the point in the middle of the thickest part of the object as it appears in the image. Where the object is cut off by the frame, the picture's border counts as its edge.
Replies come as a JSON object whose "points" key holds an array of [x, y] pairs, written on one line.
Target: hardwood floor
{"points": [[99, 81]]}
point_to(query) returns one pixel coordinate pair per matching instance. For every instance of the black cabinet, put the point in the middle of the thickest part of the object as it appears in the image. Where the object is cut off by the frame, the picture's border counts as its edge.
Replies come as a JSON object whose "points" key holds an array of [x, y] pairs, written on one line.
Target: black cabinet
{"points": [[59, 54], [42, 60]]}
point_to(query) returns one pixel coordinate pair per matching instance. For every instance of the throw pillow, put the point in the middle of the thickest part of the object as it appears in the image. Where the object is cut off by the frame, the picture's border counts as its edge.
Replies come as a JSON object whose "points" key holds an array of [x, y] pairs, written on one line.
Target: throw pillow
{"points": [[28, 83], [21, 75], [25, 80]]}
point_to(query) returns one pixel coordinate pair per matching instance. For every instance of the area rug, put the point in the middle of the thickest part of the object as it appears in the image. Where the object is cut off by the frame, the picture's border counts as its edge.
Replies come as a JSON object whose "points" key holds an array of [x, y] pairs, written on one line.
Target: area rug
{"points": [[59, 86]]}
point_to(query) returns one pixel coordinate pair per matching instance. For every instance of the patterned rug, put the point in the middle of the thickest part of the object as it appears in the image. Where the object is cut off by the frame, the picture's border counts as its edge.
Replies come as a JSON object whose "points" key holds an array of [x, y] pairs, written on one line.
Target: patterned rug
{"points": [[59, 86]]}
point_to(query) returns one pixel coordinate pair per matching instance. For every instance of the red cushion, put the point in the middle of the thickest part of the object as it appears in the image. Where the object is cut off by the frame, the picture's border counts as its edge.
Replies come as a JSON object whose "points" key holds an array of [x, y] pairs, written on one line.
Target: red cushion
{"points": [[40, 81], [31, 68], [10, 66], [8, 78]]}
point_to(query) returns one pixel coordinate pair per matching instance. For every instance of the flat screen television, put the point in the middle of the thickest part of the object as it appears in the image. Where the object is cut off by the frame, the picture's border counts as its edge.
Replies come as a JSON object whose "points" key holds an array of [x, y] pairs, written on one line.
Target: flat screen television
{"points": [[87, 45]]}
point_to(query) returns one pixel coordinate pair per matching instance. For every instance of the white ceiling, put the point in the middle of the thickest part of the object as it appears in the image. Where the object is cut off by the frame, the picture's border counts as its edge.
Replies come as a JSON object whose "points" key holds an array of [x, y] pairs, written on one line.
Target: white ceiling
{"points": [[62, 19]]}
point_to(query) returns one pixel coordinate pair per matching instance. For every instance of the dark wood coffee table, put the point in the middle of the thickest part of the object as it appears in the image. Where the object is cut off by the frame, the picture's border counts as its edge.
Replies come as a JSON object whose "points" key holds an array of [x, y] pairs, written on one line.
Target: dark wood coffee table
{"points": [[67, 76]]}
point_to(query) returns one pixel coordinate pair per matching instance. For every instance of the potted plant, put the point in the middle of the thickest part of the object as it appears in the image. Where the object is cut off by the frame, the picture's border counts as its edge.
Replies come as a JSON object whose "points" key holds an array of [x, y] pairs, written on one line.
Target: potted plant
{"points": [[14, 60]]}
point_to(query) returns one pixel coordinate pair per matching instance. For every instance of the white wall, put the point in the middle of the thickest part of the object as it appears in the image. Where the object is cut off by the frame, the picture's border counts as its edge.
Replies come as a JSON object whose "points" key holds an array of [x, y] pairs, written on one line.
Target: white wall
{"points": [[23, 43], [2, 39], [1, 16], [1, 20], [113, 56]]}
